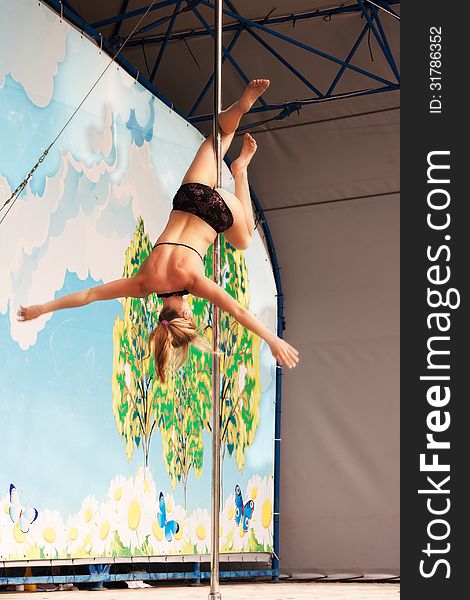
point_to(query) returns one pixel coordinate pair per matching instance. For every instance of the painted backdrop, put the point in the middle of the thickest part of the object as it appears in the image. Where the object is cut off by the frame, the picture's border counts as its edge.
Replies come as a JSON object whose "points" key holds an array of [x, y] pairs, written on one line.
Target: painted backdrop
{"points": [[97, 457]]}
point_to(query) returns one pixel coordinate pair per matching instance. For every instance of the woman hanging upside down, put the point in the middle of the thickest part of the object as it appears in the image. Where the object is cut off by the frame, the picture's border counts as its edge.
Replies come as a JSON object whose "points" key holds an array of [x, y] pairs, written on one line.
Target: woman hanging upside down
{"points": [[175, 267]]}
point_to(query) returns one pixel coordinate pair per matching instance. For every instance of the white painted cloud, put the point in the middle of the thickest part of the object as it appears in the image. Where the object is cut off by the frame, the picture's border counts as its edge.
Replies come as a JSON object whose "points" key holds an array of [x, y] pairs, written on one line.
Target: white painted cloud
{"points": [[35, 70], [85, 218], [81, 250], [149, 198]]}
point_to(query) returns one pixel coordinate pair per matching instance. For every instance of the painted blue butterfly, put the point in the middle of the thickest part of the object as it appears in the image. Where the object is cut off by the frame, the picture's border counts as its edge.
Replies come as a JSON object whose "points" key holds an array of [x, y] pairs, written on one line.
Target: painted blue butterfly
{"points": [[22, 515], [171, 527], [243, 512]]}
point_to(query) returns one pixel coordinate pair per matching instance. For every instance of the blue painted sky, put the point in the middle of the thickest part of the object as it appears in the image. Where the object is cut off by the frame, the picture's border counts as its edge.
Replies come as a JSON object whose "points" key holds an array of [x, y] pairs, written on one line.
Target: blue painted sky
{"points": [[58, 430], [59, 440]]}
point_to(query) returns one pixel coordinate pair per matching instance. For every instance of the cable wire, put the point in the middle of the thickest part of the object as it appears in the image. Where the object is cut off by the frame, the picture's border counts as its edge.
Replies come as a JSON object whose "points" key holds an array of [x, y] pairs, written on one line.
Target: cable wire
{"points": [[14, 196]]}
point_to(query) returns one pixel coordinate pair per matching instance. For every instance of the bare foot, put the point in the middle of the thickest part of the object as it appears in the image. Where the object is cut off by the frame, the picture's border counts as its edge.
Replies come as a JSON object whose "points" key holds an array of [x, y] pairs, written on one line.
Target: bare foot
{"points": [[251, 93], [29, 312], [247, 153]]}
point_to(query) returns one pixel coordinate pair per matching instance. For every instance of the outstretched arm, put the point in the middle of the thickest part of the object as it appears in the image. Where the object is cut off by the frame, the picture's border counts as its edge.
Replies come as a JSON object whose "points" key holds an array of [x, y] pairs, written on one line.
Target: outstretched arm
{"points": [[131, 286], [283, 352]]}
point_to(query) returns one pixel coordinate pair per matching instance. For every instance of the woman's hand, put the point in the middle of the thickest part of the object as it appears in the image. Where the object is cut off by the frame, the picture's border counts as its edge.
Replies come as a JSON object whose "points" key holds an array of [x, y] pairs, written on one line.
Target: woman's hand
{"points": [[29, 312], [284, 353]]}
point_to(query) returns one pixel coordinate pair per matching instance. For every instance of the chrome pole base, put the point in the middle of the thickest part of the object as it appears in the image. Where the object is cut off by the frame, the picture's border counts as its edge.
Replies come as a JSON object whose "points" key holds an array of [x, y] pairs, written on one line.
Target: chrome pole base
{"points": [[215, 596]]}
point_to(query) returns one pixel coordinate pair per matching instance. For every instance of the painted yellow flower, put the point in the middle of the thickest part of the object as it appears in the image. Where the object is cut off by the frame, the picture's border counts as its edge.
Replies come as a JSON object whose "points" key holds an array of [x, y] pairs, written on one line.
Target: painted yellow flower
{"points": [[105, 524], [135, 514], [49, 533], [74, 530], [227, 523], [88, 511], [200, 530], [262, 521], [13, 542], [116, 489], [145, 483]]}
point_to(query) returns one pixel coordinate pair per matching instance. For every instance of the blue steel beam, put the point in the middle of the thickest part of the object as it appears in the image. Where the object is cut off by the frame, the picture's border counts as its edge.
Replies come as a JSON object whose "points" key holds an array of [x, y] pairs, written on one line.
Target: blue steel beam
{"points": [[276, 54], [300, 103], [117, 28], [281, 59], [385, 6], [292, 41], [348, 58], [211, 78], [130, 14], [328, 12], [74, 18], [381, 42], [165, 41], [234, 63], [385, 41]]}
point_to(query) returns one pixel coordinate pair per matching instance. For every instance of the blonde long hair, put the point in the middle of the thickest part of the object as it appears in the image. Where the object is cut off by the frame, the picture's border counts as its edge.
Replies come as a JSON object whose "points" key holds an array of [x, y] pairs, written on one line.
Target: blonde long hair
{"points": [[171, 338]]}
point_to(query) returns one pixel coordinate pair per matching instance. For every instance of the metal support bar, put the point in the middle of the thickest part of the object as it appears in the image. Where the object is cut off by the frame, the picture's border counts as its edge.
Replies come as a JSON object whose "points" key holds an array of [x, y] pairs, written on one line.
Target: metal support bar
{"points": [[236, 66], [384, 47], [133, 576], [211, 78], [295, 42], [300, 103], [386, 44], [165, 41], [130, 14], [276, 54], [281, 59], [117, 27], [290, 18], [386, 8], [216, 462], [348, 58]]}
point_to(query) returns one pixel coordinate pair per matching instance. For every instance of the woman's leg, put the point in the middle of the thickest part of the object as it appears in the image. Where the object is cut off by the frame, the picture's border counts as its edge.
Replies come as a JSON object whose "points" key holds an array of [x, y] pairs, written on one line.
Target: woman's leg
{"points": [[241, 232], [239, 170], [203, 169]]}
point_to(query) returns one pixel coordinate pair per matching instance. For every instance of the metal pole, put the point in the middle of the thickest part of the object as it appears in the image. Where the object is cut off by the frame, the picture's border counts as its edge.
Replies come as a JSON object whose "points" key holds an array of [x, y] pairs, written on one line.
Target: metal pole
{"points": [[216, 466]]}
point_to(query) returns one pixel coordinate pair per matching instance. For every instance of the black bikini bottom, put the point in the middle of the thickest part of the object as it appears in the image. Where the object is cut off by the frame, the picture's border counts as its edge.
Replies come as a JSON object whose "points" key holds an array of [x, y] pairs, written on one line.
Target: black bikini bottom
{"points": [[206, 203]]}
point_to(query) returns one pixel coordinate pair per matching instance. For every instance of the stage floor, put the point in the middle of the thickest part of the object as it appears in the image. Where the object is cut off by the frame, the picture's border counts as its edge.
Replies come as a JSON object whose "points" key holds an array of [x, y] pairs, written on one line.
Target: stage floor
{"points": [[248, 591]]}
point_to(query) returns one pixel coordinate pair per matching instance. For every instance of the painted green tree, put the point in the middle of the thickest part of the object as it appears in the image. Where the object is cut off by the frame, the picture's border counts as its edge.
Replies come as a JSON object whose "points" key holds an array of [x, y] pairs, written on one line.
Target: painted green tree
{"points": [[181, 408], [183, 413], [239, 361], [136, 395], [186, 409]]}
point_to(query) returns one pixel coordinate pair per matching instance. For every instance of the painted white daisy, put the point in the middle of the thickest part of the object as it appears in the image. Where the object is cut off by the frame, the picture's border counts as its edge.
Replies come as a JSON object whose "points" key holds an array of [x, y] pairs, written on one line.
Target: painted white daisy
{"points": [[134, 515], [145, 483], [3, 536], [4, 515], [240, 538], [262, 521], [200, 530], [103, 530], [178, 514], [88, 510], [14, 543], [116, 489], [227, 524], [49, 533], [74, 533], [252, 488]]}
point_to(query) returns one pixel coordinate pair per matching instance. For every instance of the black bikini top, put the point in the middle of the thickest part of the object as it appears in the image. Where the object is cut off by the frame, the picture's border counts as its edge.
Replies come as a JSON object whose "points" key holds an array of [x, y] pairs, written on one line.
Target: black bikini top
{"points": [[178, 293]]}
